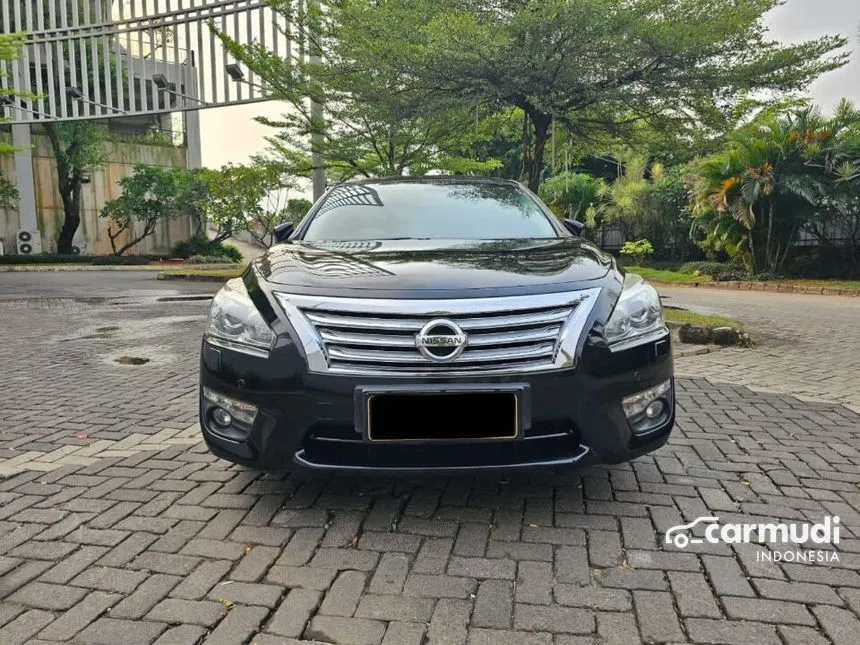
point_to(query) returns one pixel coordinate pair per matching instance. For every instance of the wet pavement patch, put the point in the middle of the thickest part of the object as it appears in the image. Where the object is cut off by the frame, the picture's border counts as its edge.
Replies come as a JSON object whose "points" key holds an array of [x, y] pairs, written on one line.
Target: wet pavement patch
{"points": [[189, 298], [132, 360]]}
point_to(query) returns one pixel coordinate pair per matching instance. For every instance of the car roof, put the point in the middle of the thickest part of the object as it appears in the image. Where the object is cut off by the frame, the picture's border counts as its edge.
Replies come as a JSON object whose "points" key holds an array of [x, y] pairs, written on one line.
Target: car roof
{"points": [[433, 179]]}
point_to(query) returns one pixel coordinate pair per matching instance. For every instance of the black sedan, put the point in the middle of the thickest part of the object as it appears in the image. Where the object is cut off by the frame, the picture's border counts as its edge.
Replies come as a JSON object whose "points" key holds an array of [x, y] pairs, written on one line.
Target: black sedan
{"points": [[434, 324]]}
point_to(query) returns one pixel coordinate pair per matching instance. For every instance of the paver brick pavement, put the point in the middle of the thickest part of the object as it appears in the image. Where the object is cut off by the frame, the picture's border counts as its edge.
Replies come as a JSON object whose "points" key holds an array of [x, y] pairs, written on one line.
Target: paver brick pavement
{"points": [[117, 526]]}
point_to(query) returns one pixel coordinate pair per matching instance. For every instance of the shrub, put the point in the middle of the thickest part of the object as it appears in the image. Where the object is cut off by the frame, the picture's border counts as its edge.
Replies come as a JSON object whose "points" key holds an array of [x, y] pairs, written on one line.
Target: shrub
{"points": [[127, 260], [718, 271], [639, 250], [210, 259], [232, 252], [45, 258], [704, 268], [199, 245]]}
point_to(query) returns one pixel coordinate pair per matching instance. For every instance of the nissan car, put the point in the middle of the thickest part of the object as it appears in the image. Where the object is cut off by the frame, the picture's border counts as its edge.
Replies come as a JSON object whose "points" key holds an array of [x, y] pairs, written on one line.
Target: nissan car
{"points": [[434, 324]]}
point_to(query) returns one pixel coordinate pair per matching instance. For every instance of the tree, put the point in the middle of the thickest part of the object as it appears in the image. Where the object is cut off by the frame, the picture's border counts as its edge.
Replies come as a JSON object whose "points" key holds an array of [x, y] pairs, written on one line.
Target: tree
{"points": [[150, 195], [78, 148], [10, 45], [570, 194], [248, 198], [591, 66], [370, 126], [779, 175]]}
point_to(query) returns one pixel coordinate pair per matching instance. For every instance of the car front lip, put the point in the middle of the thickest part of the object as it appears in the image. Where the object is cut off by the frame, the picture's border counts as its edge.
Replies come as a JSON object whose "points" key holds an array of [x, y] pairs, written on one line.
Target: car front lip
{"points": [[576, 415]]}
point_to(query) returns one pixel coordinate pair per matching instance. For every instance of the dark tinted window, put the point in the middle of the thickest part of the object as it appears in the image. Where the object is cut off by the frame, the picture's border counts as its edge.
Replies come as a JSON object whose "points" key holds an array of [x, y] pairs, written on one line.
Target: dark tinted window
{"points": [[469, 211]]}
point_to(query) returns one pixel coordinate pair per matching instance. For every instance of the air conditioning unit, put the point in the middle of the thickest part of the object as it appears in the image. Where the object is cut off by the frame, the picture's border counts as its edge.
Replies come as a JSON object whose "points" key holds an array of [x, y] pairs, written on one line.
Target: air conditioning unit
{"points": [[78, 248], [28, 242]]}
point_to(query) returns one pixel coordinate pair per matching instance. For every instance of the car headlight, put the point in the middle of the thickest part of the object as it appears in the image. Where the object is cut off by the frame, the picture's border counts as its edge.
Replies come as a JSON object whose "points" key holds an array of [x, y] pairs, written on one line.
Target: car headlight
{"points": [[637, 313], [234, 318]]}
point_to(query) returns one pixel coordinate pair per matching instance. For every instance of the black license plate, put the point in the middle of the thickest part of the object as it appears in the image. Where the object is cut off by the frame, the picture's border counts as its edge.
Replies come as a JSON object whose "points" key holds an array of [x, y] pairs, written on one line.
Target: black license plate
{"points": [[442, 416]]}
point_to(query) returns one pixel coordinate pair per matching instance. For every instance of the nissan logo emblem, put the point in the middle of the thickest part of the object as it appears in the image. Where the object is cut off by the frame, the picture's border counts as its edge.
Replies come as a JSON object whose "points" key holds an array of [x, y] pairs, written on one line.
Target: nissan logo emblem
{"points": [[441, 340]]}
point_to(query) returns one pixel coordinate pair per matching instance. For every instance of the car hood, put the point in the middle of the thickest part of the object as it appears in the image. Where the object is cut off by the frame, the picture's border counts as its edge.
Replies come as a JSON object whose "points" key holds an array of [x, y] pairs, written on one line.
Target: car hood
{"points": [[337, 268]]}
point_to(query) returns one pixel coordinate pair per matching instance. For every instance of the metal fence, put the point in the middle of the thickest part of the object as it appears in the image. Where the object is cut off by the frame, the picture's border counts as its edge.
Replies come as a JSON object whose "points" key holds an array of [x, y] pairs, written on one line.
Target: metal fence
{"points": [[86, 59]]}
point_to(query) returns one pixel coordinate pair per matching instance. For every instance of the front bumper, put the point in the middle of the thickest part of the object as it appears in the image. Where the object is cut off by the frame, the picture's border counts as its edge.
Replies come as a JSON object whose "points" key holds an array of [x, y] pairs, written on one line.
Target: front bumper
{"points": [[307, 420]]}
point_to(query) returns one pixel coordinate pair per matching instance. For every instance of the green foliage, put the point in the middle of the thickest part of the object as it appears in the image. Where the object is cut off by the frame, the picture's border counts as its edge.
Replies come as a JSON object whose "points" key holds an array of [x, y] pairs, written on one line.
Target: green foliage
{"points": [[45, 258], [209, 259], [10, 46], [781, 174], [296, 210], [8, 192], [246, 198], [200, 246], [127, 260], [718, 271], [370, 126], [594, 67], [571, 194], [150, 195], [639, 250], [704, 267]]}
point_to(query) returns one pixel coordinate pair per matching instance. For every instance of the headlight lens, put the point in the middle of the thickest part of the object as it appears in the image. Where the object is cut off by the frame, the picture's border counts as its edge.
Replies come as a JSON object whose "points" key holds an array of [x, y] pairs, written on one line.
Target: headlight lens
{"points": [[234, 318], [637, 313]]}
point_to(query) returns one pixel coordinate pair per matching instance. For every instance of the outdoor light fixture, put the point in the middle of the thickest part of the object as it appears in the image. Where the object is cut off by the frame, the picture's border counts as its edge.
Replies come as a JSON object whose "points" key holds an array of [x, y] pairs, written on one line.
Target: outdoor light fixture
{"points": [[235, 72], [160, 81], [75, 94]]}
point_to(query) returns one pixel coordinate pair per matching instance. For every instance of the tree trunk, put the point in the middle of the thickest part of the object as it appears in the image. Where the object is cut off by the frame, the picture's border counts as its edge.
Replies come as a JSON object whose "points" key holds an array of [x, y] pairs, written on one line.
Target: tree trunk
{"points": [[752, 250], [771, 261], [542, 123], [72, 215], [148, 229], [69, 187]]}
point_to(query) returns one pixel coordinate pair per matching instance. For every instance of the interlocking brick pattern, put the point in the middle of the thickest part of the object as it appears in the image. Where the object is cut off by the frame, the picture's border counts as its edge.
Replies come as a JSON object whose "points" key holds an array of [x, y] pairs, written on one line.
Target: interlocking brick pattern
{"points": [[155, 541], [808, 346]]}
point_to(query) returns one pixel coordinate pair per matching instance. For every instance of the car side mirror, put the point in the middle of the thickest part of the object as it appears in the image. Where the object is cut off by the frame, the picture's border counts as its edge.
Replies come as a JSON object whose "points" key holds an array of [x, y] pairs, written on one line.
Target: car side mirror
{"points": [[574, 227], [283, 231]]}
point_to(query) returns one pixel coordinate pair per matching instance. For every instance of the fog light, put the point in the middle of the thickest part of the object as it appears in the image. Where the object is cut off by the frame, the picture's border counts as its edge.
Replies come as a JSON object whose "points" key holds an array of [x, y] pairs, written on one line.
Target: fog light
{"points": [[222, 418], [235, 410], [655, 409], [636, 404]]}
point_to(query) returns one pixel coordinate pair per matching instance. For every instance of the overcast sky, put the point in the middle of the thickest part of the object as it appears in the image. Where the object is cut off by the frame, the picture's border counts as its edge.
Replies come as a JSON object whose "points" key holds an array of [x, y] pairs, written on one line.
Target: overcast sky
{"points": [[230, 134]]}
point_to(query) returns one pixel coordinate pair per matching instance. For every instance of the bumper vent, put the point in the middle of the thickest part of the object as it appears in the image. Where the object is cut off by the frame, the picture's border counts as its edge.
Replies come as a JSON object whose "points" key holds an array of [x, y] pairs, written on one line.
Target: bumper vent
{"points": [[371, 336]]}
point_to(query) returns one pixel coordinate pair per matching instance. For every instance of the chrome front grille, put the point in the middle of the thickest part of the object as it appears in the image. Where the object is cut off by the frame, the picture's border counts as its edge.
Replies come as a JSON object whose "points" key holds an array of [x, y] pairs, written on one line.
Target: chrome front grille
{"points": [[372, 336]]}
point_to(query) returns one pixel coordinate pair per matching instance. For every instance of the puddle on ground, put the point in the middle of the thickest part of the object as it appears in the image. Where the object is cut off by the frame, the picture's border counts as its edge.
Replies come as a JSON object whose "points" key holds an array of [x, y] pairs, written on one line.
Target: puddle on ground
{"points": [[131, 360]]}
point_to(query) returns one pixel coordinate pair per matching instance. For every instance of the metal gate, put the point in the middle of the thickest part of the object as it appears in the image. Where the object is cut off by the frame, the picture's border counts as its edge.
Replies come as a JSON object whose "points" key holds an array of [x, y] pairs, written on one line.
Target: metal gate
{"points": [[90, 59]]}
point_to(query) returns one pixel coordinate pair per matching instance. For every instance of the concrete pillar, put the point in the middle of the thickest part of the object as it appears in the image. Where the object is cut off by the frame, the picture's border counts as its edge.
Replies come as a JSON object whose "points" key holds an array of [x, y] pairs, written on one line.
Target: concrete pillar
{"points": [[24, 180]]}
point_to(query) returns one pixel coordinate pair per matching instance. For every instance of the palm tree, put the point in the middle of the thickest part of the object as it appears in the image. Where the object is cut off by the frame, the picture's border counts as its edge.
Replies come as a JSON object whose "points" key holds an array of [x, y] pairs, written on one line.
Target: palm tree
{"points": [[775, 176]]}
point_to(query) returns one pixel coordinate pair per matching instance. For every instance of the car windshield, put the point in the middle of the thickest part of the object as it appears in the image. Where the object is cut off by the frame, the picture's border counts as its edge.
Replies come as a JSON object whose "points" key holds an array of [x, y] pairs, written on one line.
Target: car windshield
{"points": [[432, 210]]}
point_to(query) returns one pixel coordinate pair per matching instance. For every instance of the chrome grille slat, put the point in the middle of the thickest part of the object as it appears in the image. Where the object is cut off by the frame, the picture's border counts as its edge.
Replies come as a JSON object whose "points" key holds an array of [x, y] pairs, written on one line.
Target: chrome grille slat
{"points": [[327, 319], [377, 337], [337, 337], [474, 356]]}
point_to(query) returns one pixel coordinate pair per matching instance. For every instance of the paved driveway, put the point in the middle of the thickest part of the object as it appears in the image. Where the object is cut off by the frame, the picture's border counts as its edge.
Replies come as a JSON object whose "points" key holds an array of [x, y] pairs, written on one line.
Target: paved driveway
{"points": [[809, 345], [117, 527]]}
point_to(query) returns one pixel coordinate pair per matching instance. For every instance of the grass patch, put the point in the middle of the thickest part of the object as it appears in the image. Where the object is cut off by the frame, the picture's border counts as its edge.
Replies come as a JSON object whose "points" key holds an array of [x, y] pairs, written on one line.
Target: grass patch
{"points": [[676, 277], [664, 275], [853, 285], [684, 316]]}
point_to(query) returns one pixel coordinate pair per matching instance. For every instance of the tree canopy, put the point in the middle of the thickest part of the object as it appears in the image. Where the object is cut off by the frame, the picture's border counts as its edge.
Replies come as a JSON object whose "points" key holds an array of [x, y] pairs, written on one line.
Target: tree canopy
{"points": [[592, 66]]}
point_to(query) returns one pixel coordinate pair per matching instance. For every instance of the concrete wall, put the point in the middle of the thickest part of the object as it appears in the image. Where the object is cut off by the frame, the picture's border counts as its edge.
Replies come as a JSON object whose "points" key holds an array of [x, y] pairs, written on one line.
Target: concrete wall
{"points": [[92, 233]]}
